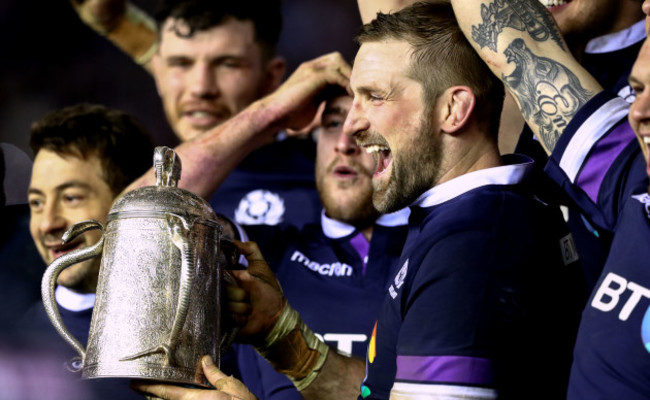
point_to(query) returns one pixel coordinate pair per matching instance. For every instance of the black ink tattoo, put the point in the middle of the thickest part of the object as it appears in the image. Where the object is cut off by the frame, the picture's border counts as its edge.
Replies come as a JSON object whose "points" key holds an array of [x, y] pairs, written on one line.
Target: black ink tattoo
{"points": [[548, 93], [516, 14]]}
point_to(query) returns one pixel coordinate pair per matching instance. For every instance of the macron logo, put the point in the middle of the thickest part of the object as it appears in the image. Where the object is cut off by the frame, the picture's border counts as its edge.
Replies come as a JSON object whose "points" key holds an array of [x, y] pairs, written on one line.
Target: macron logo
{"points": [[334, 269]]}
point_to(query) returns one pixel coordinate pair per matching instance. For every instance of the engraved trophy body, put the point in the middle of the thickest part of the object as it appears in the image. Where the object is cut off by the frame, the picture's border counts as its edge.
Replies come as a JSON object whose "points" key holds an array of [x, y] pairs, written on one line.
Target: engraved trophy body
{"points": [[157, 309]]}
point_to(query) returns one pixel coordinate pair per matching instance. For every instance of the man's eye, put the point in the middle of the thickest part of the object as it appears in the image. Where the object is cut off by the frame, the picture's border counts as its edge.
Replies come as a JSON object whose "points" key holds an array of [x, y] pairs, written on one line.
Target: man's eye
{"points": [[35, 204], [231, 64], [179, 62], [332, 125], [72, 199]]}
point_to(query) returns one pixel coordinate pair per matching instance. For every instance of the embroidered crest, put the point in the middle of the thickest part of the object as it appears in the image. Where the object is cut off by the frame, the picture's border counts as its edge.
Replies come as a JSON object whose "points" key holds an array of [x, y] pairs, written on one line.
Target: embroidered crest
{"points": [[399, 279], [645, 200], [260, 207]]}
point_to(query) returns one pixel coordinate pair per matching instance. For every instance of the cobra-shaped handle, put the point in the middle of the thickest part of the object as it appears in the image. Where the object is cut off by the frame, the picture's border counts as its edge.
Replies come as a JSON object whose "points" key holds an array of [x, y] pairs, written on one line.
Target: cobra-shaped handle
{"points": [[52, 273], [230, 255]]}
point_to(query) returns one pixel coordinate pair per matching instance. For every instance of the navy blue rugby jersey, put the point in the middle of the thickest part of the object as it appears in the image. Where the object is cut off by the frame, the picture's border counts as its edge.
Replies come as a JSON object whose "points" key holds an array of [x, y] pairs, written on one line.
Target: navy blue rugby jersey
{"points": [[609, 59], [598, 161], [273, 185], [334, 278], [479, 304]]}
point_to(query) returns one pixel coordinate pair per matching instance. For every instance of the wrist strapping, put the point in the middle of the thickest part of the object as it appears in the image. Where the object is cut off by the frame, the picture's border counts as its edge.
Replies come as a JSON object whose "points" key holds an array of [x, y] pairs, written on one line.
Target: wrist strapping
{"points": [[293, 349]]}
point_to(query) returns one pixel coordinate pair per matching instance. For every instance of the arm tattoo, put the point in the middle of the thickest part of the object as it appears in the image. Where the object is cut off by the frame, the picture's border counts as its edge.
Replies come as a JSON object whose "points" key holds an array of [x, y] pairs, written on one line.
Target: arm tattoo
{"points": [[548, 93], [516, 14]]}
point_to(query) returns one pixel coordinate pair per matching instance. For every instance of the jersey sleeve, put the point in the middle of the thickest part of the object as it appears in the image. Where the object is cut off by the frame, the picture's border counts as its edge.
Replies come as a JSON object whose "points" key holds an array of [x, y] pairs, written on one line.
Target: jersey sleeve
{"points": [[597, 160]]}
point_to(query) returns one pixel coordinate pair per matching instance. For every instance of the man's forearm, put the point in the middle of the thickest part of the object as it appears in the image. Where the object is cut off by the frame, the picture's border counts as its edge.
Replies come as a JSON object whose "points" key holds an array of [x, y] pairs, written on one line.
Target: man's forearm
{"points": [[315, 369], [125, 25], [340, 379], [519, 41], [209, 158], [136, 35]]}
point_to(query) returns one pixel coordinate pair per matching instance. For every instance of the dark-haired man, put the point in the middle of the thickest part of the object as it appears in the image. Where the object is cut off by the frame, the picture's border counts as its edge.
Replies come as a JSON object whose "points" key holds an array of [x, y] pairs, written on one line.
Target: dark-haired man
{"points": [[85, 155], [470, 291], [592, 138], [211, 59]]}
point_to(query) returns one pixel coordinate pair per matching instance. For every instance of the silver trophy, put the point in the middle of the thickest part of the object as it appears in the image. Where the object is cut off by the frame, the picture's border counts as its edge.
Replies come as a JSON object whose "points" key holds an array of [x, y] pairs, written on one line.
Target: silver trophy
{"points": [[157, 310]]}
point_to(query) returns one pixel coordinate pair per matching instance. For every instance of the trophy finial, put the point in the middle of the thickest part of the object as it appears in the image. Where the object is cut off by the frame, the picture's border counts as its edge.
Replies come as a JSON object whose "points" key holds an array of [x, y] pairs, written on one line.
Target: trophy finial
{"points": [[167, 166]]}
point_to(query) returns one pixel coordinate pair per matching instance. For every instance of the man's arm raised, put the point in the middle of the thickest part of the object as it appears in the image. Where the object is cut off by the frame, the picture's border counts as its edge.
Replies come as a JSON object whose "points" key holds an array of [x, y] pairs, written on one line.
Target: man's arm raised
{"points": [[520, 42], [209, 158], [128, 27]]}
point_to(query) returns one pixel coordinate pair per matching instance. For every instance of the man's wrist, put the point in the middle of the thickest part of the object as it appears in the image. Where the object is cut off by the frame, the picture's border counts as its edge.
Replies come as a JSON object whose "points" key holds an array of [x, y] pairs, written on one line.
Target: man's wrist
{"points": [[293, 349]]}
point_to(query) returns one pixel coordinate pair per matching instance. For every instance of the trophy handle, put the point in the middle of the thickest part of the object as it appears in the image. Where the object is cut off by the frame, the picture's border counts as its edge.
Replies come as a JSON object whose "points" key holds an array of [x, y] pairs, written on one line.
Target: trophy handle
{"points": [[230, 254], [179, 230], [52, 272]]}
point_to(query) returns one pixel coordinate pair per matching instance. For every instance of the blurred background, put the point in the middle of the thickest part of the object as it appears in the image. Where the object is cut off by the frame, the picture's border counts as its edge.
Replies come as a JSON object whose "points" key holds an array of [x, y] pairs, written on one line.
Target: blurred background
{"points": [[51, 60]]}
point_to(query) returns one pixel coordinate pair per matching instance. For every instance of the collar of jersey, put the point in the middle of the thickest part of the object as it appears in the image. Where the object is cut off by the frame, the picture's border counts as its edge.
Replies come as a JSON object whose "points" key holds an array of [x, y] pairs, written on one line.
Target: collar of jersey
{"points": [[73, 301], [617, 40], [334, 229], [515, 170]]}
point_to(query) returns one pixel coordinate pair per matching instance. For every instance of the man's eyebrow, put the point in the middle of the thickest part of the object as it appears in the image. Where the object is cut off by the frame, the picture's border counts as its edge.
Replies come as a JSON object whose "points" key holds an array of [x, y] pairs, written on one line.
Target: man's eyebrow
{"points": [[61, 187], [334, 110]]}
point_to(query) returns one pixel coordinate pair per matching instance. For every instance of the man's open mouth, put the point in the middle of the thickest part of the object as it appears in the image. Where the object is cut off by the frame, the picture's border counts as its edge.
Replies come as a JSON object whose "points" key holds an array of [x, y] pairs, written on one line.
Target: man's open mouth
{"points": [[382, 155], [57, 251]]}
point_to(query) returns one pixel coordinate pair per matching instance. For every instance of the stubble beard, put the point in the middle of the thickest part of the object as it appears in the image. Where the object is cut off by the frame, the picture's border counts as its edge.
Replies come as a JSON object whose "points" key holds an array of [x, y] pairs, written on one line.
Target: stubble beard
{"points": [[414, 171], [360, 212]]}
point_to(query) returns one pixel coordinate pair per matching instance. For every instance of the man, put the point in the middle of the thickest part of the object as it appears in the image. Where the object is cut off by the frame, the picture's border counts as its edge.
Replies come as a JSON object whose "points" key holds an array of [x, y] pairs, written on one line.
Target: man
{"points": [[212, 59], [605, 37], [463, 307], [597, 161], [343, 264], [85, 155]]}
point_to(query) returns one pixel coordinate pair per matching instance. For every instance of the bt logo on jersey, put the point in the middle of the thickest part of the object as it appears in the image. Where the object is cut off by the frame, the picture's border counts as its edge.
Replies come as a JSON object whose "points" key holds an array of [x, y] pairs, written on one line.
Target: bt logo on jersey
{"points": [[609, 294], [344, 341]]}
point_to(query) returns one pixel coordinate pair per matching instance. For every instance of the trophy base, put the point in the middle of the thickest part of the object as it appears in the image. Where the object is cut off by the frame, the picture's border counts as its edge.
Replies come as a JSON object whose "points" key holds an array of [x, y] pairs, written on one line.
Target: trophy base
{"points": [[147, 371]]}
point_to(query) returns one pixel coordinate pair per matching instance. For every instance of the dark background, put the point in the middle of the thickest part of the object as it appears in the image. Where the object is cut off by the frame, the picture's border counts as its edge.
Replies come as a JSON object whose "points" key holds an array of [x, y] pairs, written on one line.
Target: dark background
{"points": [[50, 59]]}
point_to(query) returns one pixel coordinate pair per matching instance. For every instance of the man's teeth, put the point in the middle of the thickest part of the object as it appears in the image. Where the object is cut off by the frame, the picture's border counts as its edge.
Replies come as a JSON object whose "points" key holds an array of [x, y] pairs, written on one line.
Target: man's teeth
{"points": [[375, 149], [553, 3], [200, 114], [646, 139]]}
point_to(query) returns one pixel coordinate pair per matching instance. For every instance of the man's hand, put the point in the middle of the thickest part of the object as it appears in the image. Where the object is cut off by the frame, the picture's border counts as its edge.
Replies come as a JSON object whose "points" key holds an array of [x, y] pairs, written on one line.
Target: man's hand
{"points": [[228, 388], [298, 98], [101, 15], [258, 301]]}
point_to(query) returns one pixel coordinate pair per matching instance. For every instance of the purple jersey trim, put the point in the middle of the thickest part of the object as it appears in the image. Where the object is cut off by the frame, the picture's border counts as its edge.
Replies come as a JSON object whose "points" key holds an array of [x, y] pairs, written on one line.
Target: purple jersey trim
{"points": [[447, 369], [601, 157], [361, 245]]}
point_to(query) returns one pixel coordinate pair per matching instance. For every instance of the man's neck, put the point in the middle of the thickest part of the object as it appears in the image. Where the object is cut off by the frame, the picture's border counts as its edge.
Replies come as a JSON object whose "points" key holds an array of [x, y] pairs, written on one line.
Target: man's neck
{"points": [[468, 155]]}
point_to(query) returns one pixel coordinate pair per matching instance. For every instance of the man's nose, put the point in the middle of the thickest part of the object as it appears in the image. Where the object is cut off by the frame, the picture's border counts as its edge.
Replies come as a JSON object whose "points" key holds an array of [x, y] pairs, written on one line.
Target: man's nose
{"points": [[346, 144], [203, 81], [355, 121], [51, 219]]}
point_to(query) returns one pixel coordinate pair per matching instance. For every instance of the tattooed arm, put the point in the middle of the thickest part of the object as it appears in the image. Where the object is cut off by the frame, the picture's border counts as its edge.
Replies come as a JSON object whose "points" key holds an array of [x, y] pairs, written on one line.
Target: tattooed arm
{"points": [[519, 41]]}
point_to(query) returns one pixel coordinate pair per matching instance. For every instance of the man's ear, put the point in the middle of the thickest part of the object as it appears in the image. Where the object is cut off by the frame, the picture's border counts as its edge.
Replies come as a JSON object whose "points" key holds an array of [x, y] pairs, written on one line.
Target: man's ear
{"points": [[275, 70], [457, 107]]}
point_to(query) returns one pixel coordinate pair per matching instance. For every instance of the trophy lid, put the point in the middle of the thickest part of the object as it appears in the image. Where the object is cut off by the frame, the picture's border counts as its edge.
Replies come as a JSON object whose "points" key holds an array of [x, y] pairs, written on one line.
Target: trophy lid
{"points": [[165, 197]]}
